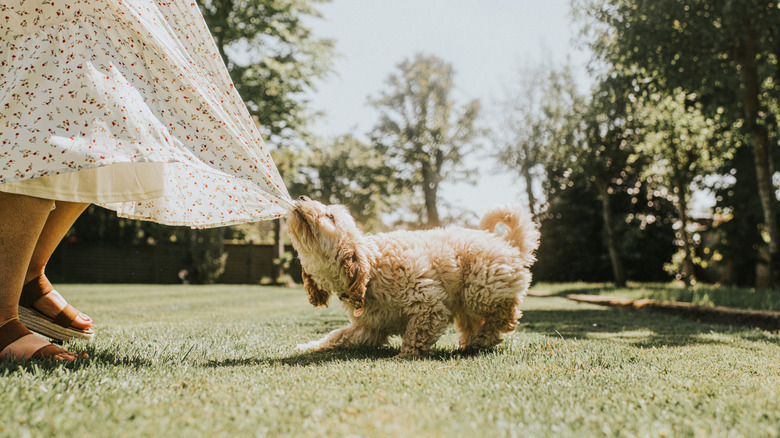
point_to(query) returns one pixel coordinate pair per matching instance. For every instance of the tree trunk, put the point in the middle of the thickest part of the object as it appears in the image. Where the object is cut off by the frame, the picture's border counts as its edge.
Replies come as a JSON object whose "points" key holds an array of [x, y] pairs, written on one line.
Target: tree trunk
{"points": [[430, 191], [618, 271], [529, 190], [688, 273], [760, 138], [431, 209], [223, 12], [207, 254], [279, 250]]}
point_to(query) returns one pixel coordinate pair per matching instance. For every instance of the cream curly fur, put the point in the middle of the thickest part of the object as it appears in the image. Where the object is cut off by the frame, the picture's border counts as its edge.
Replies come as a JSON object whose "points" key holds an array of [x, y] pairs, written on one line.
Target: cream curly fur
{"points": [[414, 283]]}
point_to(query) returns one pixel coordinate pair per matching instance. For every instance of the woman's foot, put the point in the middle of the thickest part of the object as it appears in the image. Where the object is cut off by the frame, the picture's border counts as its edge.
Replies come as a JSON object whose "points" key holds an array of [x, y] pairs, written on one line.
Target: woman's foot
{"points": [[16, 342], [51, 303]]}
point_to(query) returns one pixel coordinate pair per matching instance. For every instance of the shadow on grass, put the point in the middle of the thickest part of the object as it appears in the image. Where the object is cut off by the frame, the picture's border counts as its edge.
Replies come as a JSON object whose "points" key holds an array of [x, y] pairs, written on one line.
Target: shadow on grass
{"points": [[640, 330], [346, 355], [118, 360], [643, 330], [38, 366], [95, 357]]}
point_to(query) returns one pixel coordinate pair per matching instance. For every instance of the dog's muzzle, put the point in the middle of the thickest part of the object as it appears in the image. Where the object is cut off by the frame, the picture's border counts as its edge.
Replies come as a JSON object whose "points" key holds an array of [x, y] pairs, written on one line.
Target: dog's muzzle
{"points": [[358, 309]]}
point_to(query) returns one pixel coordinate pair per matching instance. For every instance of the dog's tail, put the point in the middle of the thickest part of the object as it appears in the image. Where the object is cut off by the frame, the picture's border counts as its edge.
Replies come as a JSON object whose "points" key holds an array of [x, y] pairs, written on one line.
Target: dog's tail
{"points": [[523, 232]]}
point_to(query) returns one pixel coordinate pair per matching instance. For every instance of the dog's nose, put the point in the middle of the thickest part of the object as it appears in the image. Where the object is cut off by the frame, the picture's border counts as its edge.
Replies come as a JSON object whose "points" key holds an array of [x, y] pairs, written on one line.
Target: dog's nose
{"points": [[303, 198]]}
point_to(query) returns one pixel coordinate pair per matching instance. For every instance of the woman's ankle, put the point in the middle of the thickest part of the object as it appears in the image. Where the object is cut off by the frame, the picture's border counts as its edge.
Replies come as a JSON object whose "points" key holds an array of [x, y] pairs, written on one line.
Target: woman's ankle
{"points": [[34, 274], [8, 314]]}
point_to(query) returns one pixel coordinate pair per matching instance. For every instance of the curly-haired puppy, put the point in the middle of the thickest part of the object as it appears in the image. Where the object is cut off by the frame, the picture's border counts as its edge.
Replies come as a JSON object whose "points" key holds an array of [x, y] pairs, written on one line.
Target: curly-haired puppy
{"points": [[414, 283]]}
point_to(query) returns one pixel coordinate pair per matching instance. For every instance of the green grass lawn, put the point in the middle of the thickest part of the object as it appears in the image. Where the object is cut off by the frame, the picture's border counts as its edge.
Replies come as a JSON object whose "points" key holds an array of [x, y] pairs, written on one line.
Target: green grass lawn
{"points": [[702, 294], [176, 361]]}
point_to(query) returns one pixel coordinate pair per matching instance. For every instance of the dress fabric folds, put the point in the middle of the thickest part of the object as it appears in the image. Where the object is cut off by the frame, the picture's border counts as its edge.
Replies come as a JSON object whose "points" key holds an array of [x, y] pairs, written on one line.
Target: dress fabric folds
{"points": [[129, 105]]}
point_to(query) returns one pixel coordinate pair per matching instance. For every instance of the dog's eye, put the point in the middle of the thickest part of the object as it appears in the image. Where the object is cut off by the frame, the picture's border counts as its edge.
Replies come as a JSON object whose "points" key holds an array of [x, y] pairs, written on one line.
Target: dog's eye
{"points": [[331, 217]]}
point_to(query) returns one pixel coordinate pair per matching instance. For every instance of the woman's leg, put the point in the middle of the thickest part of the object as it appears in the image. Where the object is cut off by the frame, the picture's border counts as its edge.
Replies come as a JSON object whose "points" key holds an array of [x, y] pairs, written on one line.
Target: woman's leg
{"points": [[57, 225], [21, 220]]}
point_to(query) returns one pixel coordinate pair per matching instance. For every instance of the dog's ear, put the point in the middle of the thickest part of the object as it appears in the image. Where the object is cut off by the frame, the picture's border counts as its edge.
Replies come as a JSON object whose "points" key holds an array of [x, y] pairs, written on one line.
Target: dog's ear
{"points": [[317, 296], [357, 267]]}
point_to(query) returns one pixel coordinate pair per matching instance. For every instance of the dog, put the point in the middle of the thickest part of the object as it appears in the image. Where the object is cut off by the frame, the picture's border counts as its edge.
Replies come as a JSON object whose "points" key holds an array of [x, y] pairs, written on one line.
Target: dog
{"points": [[414, 283]]}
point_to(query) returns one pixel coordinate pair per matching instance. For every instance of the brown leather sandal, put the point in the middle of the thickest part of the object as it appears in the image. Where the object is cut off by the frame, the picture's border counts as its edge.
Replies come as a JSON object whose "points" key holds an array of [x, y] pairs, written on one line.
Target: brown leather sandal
{"points": [[13, 330], [59, 327]]}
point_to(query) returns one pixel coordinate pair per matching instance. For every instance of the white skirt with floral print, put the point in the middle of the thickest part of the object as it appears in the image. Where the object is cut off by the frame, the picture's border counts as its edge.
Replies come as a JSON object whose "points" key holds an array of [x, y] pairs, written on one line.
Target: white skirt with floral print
{"points": [[128, 104]]}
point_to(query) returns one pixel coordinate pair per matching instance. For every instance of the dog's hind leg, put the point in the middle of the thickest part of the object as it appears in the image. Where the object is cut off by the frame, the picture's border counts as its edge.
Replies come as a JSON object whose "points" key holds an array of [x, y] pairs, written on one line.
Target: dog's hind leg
{"points": [[423, 329], [502, 320], [352, 336]]}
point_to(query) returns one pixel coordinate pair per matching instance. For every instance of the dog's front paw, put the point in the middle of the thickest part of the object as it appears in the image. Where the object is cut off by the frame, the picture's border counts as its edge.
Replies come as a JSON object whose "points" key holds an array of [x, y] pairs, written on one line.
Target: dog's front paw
{"points": [[309, 346]]}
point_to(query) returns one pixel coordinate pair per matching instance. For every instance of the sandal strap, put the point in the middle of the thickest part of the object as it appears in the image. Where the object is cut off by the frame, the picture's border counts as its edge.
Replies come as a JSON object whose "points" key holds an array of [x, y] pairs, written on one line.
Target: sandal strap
{"points": [[66, 316], [11, 331], [34, 290], [48, 351]]}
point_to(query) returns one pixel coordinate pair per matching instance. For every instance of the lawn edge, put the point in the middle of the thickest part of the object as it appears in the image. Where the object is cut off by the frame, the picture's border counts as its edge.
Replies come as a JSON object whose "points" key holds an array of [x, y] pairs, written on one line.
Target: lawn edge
{"points": [[763, 319]]}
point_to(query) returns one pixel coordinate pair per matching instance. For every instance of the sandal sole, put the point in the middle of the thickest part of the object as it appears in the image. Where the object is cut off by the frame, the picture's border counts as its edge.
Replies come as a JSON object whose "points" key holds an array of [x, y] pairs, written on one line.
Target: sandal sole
{"points": [[39, 323]]}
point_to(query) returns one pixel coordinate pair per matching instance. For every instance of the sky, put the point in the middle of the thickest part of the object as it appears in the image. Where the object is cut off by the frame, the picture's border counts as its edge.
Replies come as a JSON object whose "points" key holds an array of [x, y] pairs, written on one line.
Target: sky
{"points": [[486, 41]]}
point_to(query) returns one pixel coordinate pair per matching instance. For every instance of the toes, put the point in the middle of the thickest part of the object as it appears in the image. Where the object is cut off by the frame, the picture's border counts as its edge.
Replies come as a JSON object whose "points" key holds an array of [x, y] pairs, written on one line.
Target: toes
{"points": [[71, 357], [53, 302], [65, 356], [29, 346], [82, 322]]}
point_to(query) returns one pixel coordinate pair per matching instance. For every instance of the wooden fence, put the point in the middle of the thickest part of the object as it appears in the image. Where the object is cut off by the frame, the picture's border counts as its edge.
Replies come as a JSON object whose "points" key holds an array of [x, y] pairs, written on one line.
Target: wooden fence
{"points": [[158, 264]]}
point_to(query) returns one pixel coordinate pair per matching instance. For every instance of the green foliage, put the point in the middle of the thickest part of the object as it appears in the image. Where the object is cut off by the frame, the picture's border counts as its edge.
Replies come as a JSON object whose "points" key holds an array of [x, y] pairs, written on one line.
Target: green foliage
{"points": [[678, 141], [207, 255], [724, 52], [679, 146], [220, 361], [646, 240], [597, 202], [422, 134], [273, 58], [282, 264], [571, 225], [573, 245], [739, 210], [100, 225], [694, 45], [603, 139]]}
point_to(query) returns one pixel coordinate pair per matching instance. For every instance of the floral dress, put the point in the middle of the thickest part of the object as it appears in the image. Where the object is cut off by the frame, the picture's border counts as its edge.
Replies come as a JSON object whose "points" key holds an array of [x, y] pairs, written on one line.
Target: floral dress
{"points": [[127, 103]]}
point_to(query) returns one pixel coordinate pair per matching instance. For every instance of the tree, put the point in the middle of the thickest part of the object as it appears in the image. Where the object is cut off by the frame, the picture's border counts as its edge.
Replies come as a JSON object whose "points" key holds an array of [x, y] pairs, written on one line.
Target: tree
{"points": [[535, 120], [273, 59], [422, 134], [740, 210], [725, 51], [678, 141], [602, 153], [590, 171], [551, 121]]}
